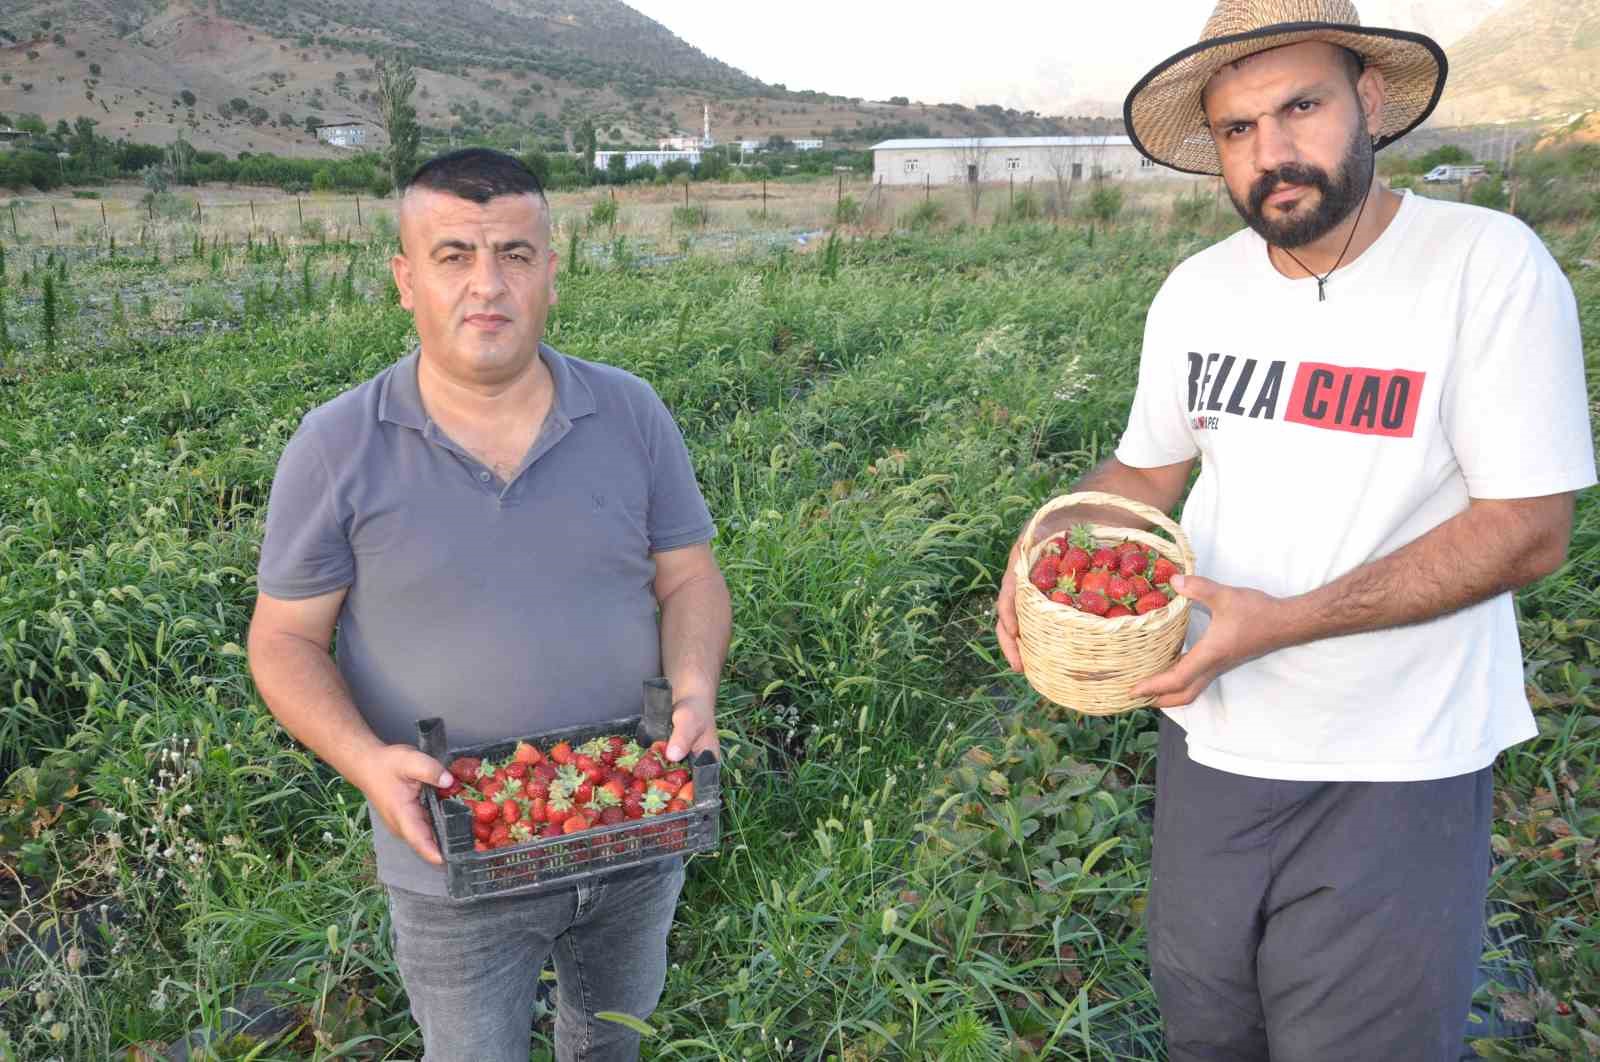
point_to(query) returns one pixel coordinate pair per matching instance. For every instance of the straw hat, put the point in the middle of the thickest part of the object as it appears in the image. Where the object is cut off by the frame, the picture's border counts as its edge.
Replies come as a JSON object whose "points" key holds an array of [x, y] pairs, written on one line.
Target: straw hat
{"points": [[1163, 113]]}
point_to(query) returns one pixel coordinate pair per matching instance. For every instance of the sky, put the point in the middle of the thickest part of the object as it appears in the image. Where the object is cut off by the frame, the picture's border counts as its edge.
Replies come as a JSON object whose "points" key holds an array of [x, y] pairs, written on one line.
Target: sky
{"points": [[1053, 56]]}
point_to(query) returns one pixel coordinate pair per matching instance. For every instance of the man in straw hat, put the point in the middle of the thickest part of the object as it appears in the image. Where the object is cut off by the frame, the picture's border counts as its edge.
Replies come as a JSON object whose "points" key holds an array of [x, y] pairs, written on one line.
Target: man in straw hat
{"points": [[1386, 394]]}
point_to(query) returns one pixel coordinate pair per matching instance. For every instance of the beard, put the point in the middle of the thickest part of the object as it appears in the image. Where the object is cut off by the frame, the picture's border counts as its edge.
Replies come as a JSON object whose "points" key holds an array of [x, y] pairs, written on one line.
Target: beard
{"points": [[1337, 196]]}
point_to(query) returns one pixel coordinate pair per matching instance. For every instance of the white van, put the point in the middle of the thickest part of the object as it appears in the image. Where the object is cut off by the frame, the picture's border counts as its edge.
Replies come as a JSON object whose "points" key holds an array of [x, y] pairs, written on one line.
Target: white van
{"points": [[1453, 173]]}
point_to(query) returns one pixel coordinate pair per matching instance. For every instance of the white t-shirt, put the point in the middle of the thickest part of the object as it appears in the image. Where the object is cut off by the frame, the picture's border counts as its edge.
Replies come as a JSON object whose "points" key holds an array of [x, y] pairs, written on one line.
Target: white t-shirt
{"points": [[1446, 364]]}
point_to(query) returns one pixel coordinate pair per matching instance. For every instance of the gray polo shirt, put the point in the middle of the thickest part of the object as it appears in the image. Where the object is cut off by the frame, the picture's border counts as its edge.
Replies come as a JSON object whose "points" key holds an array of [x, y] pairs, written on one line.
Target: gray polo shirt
{"points": [[504, 608]]}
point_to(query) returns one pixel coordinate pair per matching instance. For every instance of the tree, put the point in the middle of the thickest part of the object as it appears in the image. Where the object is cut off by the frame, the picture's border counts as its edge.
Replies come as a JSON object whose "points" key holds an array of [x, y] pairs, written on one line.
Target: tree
{"points": [[397, 80], [1064, 166], [973, 154], [94, 69], [588, 144], [617, 167], [187, 97], [84, 144]]}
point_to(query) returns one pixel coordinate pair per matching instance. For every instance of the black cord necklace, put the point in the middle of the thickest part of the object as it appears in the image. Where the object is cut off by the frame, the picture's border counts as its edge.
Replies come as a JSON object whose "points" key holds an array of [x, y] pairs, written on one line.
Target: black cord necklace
{"points": [[1322, 281]]}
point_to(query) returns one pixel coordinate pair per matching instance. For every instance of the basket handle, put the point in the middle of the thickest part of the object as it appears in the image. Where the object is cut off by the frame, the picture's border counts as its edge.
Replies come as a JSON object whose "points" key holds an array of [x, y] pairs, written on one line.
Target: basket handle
{"points": [[1114, 501]]}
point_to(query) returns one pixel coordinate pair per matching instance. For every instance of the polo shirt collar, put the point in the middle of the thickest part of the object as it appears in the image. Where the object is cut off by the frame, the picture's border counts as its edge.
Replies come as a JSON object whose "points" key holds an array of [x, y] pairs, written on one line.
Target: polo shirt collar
{"points": [[401, 399]]}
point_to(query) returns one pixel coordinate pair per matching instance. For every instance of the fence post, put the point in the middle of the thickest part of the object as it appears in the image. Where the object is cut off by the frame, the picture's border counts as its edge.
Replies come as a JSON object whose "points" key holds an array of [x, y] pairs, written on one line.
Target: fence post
{"points": [[839, 197], [55, 219], [1012, 202], [300, 210], [927, 186], [104, 224], [13, 218], [686, 191], [197, 219], [359, 223], [252, 215], [763, 199]]}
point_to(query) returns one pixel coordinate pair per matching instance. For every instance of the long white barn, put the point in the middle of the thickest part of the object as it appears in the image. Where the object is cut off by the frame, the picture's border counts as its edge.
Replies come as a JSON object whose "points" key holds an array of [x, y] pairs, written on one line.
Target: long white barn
{"points": [[991, 159]]}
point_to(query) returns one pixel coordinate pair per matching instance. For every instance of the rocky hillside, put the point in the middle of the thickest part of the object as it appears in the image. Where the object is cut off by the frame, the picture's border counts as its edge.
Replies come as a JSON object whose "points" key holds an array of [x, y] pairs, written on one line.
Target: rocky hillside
{"points": [[250, 75], [1530, 59]]}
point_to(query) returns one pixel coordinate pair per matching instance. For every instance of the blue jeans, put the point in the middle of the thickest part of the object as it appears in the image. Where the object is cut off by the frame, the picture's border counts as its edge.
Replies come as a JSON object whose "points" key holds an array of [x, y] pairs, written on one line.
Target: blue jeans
{"points": [[471, 969]]}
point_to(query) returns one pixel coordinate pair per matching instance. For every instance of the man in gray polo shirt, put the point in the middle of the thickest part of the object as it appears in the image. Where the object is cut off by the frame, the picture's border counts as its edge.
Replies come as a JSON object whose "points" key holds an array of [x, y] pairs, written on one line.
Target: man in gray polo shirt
{"points": [[493, 528]]}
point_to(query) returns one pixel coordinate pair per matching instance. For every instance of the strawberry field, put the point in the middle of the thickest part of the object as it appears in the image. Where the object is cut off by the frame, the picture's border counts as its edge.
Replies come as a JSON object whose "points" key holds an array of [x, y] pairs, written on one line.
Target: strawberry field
{"points": [[916, 861]]}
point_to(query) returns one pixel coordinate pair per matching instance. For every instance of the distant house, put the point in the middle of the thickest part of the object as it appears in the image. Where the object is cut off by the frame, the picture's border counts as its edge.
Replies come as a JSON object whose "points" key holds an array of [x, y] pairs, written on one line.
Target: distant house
{"points": [[752, 145], [347, 134], [963, 160], [635, 159], [9, 138], [805, 144]]}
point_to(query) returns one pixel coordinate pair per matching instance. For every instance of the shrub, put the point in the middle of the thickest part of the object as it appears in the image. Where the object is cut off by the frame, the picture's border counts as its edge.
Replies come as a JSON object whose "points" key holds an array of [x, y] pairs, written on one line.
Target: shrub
{"points": [[691, 216], [604, 212], [847, 211], [1105, 203]]}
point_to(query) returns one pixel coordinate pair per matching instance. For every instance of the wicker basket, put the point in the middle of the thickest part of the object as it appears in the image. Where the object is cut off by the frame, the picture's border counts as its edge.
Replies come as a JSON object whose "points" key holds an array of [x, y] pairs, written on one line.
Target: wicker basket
{"points": [[1088, 663]]}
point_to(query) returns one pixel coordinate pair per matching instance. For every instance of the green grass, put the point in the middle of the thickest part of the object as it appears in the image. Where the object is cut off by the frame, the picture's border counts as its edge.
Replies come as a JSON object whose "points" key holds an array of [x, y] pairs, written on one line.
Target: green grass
{"points": [[916, 862]]}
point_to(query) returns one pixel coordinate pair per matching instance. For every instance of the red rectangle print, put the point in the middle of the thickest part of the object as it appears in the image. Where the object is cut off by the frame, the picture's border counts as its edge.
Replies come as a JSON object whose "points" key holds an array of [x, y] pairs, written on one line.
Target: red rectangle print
{"points": [[1353, 399]]}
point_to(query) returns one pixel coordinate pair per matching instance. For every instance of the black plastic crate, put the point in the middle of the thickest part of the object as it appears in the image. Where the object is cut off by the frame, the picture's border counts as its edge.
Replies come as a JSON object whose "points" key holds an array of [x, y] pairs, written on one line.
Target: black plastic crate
{"points": [[552, 862]]}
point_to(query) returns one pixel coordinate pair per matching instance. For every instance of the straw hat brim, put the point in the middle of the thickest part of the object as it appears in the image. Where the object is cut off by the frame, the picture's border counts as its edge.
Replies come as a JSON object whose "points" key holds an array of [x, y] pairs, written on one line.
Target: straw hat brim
{"points": [[1165, 119]]}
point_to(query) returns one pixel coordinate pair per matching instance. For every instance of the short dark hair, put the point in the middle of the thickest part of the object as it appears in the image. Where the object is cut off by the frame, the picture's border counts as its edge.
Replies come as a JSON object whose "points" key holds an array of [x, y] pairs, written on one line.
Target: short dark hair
{"points": [[1354, 65], [476, 175]]}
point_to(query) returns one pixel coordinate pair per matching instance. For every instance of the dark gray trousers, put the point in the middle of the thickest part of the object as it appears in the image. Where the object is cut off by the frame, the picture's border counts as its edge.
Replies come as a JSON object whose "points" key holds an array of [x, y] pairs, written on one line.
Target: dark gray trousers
{"points": [[1314, 921]]}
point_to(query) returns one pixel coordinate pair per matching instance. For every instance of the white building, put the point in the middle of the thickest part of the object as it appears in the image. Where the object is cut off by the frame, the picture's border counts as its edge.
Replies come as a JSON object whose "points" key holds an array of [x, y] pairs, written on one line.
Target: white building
{"points": [[806, 144], [602, 159], [998, 159], [343, 134]]}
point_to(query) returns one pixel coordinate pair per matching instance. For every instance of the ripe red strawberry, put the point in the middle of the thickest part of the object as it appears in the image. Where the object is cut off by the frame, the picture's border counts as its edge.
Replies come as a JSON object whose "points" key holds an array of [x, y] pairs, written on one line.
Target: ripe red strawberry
{"points": [[500, 837], [527, 754], [479, 846], [613, 749], [521, 832], [1104, 557], [1164, 571], [491, 788], [660, 749], [1141, 585], [661, 785], [1150, 602], [517, 769], [1095, 582], [575, 823], [551, 829], [1061, 597], [1046, 570], [1131, 564], [465, 768], [446, 792], [584, 793], [632, 806], [1128, 545], [622, 778], [1093, 603], [647, 768], [1069, 580], [677, 805], [686, 794], [1076, 557], [533, 788], [545, 772], [510, 811], [536, 808], [615, 788], [558, 809], [1118, 610], [637, 787], [481, 830], [486, 811], [612, 817], [678, 778], [561, 752], [1118, 587]]}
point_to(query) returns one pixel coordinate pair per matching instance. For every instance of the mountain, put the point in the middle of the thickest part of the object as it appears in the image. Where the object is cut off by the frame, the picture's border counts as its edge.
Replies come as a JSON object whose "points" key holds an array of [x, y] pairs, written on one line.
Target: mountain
{"points": [[248, 75], [1531, 59]]}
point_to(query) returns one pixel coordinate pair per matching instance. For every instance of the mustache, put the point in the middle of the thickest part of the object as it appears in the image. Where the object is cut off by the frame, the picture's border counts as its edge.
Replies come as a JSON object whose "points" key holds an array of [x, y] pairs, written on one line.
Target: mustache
{"points": [[1292, 173]]}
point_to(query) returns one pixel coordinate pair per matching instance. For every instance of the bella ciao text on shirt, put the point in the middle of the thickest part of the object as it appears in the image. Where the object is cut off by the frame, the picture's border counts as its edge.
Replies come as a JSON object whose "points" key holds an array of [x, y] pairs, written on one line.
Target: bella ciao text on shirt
{"points": [[1323, 395]]}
